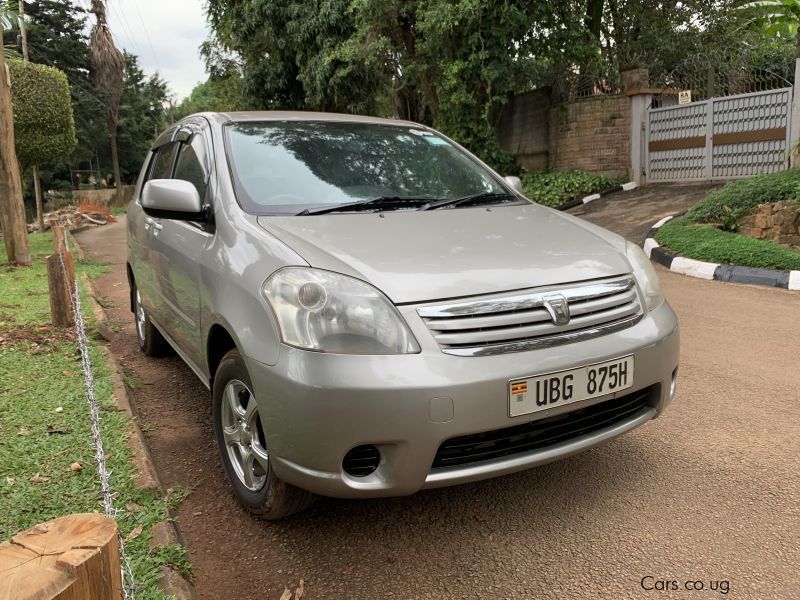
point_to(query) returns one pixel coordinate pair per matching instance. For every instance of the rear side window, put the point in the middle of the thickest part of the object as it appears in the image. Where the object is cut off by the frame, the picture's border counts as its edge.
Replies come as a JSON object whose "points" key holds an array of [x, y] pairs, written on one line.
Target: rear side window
{"points": [[190, 167], [162, 166]]}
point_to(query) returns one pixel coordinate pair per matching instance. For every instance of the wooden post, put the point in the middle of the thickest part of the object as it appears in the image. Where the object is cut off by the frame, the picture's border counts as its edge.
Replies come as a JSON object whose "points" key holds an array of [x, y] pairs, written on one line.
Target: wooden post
{"points": [[59, 239], [68, 558], [61, 279]]}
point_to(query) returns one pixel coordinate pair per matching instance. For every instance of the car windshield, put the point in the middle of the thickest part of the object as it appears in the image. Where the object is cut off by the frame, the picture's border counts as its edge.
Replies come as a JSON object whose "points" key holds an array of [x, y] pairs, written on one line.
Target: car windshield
{"points": [[284, 167]]}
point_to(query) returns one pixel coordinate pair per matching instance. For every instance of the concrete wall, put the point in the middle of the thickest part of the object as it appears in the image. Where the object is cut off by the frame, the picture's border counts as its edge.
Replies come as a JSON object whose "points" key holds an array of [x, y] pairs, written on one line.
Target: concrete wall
{"points": [[523, 130], [592, 134]]}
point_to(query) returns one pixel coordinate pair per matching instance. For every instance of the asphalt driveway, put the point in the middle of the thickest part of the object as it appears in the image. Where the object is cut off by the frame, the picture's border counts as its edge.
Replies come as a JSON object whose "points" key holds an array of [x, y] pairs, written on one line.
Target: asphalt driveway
{"points": [[708, 494]]}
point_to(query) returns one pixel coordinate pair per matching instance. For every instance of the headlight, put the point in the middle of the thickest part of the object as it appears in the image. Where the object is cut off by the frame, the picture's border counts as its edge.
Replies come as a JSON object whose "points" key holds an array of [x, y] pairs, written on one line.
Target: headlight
{"points": [[328, 312], [645, 275]]}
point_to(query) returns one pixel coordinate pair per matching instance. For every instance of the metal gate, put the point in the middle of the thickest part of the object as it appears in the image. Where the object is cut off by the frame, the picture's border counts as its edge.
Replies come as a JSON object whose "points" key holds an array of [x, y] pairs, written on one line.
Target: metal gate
{"points": [[719, 138]]}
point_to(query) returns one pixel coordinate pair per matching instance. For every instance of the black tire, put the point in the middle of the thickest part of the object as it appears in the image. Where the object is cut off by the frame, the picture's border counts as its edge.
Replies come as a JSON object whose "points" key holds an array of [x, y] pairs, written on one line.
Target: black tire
{"points": [[275, 499], [150, 340]]}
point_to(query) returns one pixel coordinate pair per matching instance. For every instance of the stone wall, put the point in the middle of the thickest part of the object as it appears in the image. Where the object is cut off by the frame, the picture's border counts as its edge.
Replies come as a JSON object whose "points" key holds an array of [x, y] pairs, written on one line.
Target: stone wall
{"points": [[777, 221], [592, 134]]}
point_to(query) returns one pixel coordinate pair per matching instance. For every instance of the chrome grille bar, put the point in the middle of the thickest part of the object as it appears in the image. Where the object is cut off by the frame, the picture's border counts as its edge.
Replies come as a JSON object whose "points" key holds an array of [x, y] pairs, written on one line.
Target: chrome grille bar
{"points": [[517, 322]]}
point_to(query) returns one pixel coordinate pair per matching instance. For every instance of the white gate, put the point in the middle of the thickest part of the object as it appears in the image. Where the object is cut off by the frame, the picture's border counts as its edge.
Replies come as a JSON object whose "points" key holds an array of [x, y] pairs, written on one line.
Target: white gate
{"points": [[719, 138]]}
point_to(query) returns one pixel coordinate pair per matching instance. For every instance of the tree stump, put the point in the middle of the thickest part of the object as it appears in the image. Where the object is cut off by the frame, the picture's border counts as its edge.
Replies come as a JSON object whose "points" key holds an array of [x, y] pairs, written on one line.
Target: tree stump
{"points": [[70, 558]]}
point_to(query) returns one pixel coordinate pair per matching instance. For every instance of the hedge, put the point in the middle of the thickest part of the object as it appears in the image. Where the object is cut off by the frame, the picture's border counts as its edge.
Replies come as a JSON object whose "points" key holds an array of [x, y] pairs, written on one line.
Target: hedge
{"points": [[44, 127]]}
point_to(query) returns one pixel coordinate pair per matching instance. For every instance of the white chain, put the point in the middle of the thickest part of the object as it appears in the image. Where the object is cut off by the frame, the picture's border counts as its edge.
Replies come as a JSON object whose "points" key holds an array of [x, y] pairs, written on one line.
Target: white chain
{"points": [[128, 583]]}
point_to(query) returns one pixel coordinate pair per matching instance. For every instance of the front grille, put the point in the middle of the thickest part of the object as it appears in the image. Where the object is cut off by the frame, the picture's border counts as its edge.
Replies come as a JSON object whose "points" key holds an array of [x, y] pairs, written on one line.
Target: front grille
{"points": [[538, 434], [504, 323]]}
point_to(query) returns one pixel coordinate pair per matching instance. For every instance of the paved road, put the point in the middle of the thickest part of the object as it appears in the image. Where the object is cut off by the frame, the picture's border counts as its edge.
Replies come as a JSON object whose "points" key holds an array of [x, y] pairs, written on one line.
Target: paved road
{"points": [[707, 493]]}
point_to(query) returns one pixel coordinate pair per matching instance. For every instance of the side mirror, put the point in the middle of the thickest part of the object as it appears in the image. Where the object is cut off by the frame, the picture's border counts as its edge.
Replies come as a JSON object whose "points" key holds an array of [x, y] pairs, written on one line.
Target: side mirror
{"points": [[172, 199], [515, 183]]}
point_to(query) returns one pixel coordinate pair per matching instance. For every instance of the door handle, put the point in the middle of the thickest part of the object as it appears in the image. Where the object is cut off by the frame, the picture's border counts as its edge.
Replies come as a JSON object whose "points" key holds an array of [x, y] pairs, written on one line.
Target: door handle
{"points": [[157, 226]]}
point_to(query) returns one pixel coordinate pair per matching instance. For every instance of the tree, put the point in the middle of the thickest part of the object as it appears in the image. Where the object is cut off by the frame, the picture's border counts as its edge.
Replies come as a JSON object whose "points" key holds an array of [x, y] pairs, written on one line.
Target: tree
{"points": [[44, 127], [57, 38], [142, 115], [12, 212], [777, 17], [213, 95], [43, 122], [450, 64], [109, 67]]}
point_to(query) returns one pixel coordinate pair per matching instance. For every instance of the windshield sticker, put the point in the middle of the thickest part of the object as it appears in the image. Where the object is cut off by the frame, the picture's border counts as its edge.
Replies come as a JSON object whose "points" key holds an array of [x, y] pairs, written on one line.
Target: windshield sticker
{"points": [[436, 141], [420, 132]]}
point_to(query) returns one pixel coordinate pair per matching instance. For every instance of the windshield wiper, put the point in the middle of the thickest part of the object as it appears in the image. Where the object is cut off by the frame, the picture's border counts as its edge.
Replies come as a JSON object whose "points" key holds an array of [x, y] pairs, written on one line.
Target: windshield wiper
{"points": [[483, 197], [379, 203]]}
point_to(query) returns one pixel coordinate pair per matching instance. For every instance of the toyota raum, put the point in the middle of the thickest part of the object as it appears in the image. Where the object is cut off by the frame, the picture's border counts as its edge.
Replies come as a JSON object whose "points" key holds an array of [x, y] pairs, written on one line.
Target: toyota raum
{"points": [[376, 311]]}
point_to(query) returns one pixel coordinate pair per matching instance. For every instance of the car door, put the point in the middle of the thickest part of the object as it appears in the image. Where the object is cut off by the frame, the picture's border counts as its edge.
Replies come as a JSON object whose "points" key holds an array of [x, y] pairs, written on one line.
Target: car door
{"points": [[143, 256], [179, 247]]}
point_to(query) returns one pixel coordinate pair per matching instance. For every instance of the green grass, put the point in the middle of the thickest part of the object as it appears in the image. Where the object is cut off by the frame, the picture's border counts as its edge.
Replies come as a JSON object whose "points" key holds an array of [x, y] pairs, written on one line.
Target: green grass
{"points": [[738, 198], [40, 371], [24, 295], [553, 188], [705, 242], [708, 230]]}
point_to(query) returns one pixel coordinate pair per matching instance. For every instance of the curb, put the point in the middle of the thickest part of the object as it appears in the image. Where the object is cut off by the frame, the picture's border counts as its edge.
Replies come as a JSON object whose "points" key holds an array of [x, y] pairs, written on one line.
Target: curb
{"points": [[625, 187], [164, 533], [714, 271]]}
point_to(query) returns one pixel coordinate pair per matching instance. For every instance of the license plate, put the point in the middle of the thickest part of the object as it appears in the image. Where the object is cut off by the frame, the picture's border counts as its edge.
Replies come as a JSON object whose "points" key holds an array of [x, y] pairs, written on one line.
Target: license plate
{"points": [[533, 394]]}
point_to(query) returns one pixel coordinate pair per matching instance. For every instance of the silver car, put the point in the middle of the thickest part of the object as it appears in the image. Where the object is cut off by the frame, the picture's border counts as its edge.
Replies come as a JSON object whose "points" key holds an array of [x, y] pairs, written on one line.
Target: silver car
{"points": [[377, 312]]}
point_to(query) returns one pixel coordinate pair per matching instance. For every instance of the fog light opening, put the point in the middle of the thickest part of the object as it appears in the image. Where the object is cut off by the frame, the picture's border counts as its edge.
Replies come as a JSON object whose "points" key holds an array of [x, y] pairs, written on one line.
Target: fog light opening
{"points": [[361, 460]]}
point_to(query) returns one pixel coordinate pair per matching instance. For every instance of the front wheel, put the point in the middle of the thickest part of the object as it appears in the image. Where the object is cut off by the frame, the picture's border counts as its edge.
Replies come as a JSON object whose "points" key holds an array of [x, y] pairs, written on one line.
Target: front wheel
{"points": [[242, 445]]}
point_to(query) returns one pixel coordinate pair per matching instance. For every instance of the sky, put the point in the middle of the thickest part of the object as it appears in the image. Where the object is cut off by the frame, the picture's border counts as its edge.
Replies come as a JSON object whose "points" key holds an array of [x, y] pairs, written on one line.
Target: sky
{"points": [[165, 35]]}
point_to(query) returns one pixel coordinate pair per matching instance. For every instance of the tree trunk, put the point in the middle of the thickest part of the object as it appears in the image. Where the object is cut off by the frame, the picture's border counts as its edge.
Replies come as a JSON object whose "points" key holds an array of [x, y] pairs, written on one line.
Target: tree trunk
{"points": [[12, 210], [37, 188], [115, 163]]}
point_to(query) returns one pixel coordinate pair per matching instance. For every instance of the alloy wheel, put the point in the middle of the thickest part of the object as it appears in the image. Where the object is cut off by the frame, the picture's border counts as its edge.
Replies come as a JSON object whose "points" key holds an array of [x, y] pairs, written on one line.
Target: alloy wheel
{"points": [[244, 435]]}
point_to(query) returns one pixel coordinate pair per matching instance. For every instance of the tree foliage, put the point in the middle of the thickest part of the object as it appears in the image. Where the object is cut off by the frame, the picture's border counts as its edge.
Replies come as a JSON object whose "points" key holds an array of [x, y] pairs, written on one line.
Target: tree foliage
{"points": [[452, 64], [217, 94], [142, 116], [57, 37], [43, 123]]}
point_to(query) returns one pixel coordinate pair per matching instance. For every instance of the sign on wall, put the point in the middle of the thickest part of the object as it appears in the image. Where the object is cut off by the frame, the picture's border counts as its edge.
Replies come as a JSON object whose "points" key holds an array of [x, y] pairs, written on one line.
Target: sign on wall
{"points": [[684, 97]]}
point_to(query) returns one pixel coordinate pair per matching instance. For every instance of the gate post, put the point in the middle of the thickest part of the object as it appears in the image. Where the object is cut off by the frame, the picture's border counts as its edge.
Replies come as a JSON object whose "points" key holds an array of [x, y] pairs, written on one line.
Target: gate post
{"points": [[794, 126], [636, 84]]}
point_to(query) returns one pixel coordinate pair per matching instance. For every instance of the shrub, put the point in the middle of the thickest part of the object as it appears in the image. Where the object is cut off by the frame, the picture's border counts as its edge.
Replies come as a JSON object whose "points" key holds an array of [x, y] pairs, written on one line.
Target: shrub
{"points": [[553, 188], [705, 242], [44, 127], [737, 198]]}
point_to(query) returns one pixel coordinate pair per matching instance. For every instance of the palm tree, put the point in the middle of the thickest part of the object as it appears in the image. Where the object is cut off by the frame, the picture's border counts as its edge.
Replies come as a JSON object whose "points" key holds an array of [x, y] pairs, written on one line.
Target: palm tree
{"points": [[108, 69], [12, 211]]}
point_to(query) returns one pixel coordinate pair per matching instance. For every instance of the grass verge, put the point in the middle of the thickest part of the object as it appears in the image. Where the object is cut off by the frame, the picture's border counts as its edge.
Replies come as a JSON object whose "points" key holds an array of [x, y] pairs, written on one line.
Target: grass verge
{"points": [[45, 428], [708, 243], [737, 198]]}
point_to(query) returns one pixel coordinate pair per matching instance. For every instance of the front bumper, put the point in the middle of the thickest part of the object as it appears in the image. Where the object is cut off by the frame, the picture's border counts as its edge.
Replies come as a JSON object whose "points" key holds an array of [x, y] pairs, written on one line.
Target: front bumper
{"points": [[319, 406]]}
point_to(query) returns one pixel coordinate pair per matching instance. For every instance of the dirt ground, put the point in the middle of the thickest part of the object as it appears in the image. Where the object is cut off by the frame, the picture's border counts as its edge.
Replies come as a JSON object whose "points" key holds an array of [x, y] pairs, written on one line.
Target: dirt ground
{"points": [[709, 493]]}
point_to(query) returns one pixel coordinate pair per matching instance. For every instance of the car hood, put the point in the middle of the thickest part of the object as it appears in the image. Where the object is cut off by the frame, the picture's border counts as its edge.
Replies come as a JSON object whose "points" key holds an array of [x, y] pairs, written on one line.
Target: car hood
{"points": [[415, 256]]}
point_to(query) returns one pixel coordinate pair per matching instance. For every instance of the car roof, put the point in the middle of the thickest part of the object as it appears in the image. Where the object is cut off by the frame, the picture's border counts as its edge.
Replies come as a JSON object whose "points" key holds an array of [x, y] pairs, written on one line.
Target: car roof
{"points": [[297, 115]]}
